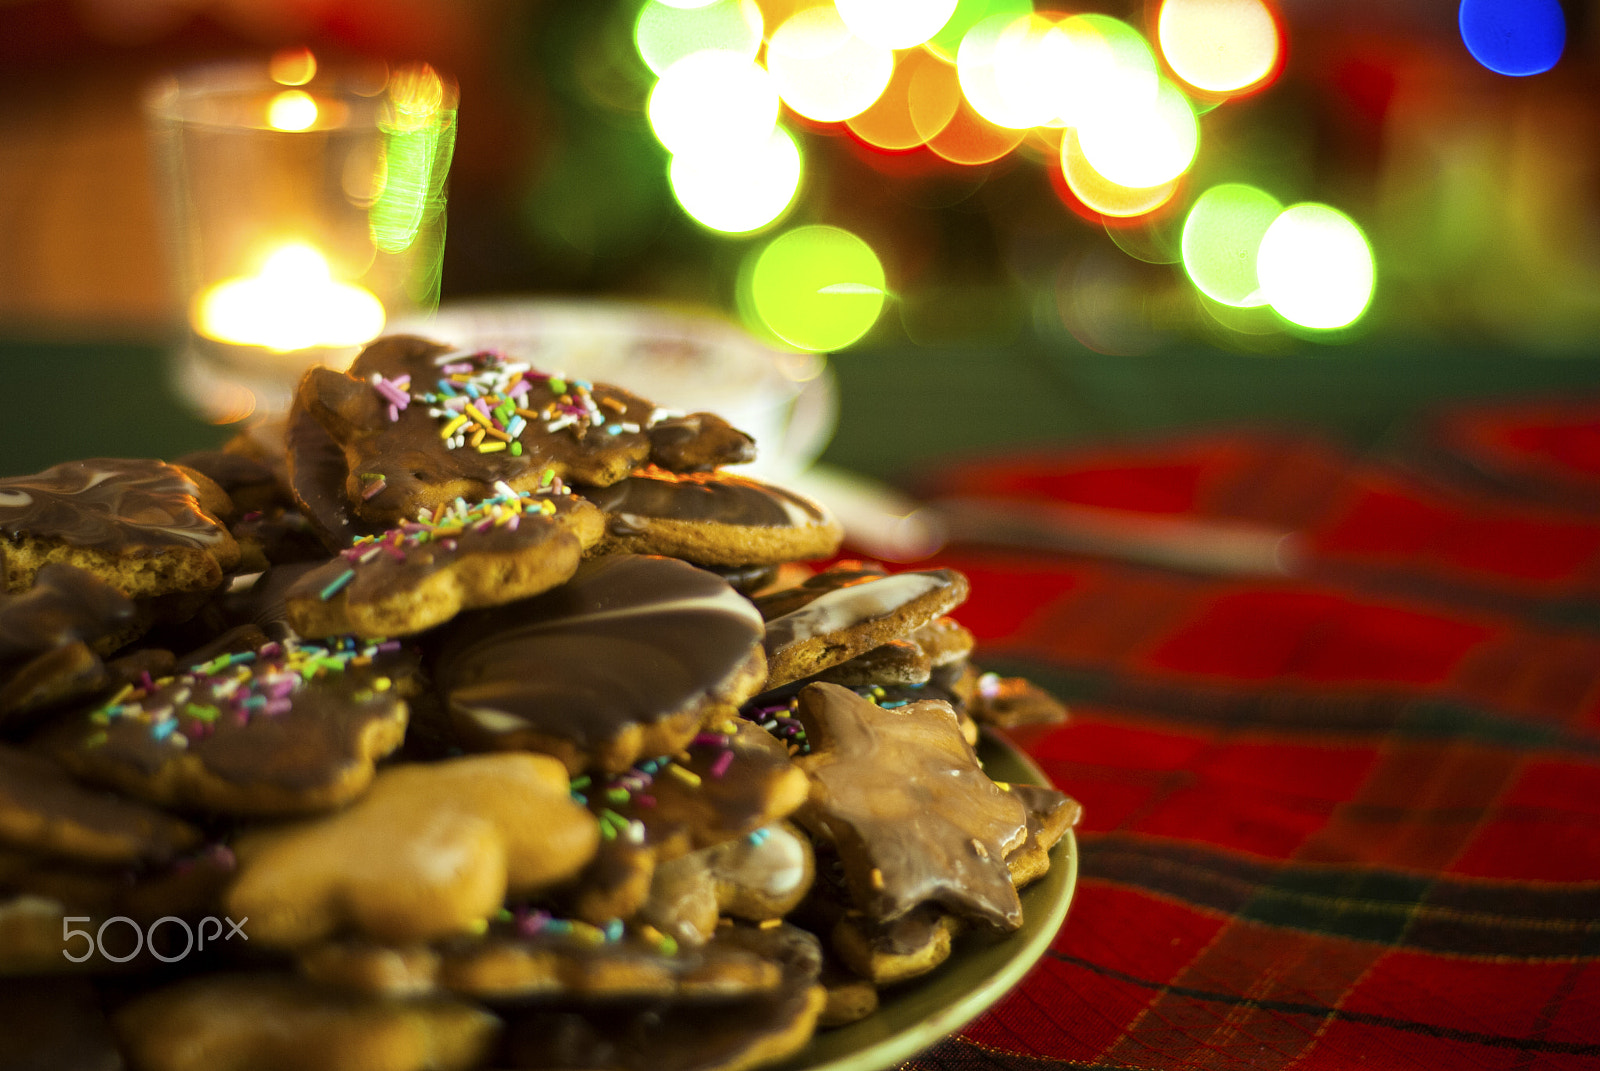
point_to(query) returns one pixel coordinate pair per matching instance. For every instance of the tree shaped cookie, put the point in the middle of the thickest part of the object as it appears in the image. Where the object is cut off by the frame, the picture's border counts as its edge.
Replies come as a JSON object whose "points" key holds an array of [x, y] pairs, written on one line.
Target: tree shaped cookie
{"points": [[915, 819], [421, 424], [431, 850]]}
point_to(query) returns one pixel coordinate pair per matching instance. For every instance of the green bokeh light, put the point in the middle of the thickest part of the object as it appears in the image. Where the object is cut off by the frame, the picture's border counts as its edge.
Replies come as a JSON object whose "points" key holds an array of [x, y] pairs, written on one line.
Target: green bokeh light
{"points": [[817, 287], [1221, 237], [969, 13], [666, 34]]}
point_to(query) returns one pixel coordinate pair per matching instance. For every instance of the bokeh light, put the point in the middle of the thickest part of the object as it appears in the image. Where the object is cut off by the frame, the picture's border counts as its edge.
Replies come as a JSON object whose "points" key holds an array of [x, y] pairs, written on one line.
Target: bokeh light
{"points": [[1101, 65], [1221, 238], [969, 13], [740, 191], [817, 287], [710, 102], [1099, 194], [1315, 267], [668, 32], [1219, 46], [922, 80], [823, 70], [1143, 146], [1000, 70], [1514, 37], [969, 139], [292, 67], [895, 23]]}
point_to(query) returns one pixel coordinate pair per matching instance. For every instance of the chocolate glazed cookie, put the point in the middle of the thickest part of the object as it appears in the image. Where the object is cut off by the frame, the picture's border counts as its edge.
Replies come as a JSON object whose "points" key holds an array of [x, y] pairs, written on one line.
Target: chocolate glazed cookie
{"points": [[713, 518], [627, 659], [421, 424], [146, 527]]}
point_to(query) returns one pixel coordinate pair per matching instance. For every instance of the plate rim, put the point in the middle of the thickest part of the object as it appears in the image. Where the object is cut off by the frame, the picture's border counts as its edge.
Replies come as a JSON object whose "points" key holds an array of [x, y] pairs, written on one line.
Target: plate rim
{"points": [[905, 1043]]}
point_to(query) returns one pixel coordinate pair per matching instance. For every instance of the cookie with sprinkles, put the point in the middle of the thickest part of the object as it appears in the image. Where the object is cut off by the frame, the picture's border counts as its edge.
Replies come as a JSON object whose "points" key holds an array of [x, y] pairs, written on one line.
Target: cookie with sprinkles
{"points": [[758, 877], [282, 727], [422, 424], [145, 527], [630, 658], [422, 573], [713, 518], [901, 796]]}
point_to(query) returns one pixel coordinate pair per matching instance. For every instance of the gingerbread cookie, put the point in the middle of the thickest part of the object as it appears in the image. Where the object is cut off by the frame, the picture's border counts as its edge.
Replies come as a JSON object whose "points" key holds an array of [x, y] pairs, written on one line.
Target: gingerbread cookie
{"points": [[145, 527], [317, 472], [729, 782], [667, 1035], [757, 877], [421, 425], [1050, 814], [43, 810], [1007, 702], [268, 1022], [421, 574], [258, 728], [849, 616], [533, 955], [629, 658], [64, 605], [431, 850], [250, 482], [885, 953], [713, 518], [901, 795], [944, 640]]}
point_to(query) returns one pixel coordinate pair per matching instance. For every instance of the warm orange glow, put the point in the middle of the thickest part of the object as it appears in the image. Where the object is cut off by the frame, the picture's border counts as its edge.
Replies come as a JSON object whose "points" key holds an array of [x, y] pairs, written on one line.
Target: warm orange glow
{"points": [[968, 138], [1099, 193], [292, 66], [890, 123]]}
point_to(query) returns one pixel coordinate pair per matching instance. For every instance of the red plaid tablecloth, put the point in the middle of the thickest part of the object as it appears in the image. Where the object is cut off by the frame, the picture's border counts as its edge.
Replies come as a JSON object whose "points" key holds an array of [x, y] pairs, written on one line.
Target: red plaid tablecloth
{"points": [[1344, 817]]}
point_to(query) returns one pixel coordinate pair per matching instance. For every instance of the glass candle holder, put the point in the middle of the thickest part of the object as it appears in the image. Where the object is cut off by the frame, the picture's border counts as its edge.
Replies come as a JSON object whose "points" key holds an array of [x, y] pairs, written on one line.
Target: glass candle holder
{"points": [[304, 210]]}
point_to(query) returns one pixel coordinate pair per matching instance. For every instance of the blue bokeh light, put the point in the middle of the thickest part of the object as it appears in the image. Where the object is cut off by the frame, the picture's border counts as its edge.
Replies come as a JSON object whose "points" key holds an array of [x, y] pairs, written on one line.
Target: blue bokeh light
{"points": [[1514, 37]]}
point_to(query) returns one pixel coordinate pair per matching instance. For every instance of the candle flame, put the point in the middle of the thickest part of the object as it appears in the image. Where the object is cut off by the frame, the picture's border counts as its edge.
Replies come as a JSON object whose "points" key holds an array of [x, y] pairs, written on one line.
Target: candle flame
{"points": [[293, 109], [292, 303]]}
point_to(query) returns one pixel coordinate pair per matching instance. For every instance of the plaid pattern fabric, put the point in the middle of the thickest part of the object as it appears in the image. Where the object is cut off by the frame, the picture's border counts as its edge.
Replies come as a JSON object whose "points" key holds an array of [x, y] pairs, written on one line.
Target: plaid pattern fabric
{"points": [[1348, 816]]}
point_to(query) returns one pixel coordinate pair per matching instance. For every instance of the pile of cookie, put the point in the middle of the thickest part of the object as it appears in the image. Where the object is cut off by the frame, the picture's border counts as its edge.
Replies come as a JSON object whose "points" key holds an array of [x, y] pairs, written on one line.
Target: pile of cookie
{"points": [[477, 716]]}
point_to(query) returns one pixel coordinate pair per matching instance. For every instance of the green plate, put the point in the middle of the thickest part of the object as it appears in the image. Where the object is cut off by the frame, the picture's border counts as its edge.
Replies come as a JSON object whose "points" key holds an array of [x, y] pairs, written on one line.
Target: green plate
{"points": [[980, 970]]}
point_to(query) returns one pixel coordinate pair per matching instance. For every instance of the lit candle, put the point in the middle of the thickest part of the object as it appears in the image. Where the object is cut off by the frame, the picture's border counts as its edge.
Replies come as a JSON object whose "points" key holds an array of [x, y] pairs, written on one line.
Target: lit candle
{"points": [[292, 303]]}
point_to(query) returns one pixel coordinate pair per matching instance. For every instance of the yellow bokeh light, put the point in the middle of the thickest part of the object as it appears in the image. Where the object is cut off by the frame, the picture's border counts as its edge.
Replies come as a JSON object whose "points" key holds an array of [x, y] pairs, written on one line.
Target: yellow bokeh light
{"points": [[1100, 194], [741, 191], [292, 66], [1219, 46], [895, 23], [1141, 147], [1315, 267], [823, 70], [292, 303], [293, 109], [709, 102], [668, 32], [818, 288]]}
